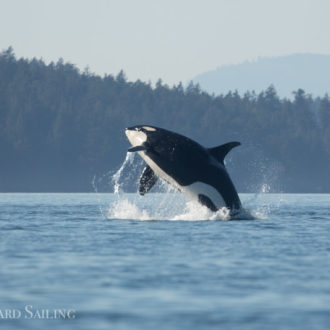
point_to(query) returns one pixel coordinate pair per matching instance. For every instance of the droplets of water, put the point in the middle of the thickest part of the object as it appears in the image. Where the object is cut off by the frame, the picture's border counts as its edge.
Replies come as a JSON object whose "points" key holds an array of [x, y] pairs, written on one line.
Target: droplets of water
{"points": [[117, 176], [265, 188]]}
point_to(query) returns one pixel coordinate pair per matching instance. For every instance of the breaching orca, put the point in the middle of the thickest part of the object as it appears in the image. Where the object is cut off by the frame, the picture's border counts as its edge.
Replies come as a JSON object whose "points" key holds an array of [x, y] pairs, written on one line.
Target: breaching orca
{"points": [[199, 173]]}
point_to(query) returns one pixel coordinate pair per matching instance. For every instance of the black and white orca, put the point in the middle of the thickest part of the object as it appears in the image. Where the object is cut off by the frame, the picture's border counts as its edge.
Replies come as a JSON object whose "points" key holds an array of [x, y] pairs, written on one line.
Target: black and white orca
{"points": [[198, 172]]}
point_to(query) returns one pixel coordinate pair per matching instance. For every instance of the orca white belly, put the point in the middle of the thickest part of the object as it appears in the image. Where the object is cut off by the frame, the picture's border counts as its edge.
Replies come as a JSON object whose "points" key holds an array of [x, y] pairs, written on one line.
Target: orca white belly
{"points": [[192, 191]]}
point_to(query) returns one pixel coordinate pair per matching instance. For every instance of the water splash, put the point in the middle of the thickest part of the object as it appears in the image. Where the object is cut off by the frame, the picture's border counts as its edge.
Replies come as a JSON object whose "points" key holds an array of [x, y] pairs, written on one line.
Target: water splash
{"points": [[126, 210], [132, 209], [167, 205], [113, 181], [196, 212], [265, 188], [117, 176]]}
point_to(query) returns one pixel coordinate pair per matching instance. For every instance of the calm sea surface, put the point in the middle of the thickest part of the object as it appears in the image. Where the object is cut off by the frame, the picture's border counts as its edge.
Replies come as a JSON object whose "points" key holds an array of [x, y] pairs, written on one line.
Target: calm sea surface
{"points": [[105, 261]]}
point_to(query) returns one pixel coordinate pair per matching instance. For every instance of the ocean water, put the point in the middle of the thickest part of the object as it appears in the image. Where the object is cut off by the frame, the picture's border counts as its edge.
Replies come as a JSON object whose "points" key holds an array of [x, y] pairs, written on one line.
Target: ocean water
{"points": [[120, 261]]}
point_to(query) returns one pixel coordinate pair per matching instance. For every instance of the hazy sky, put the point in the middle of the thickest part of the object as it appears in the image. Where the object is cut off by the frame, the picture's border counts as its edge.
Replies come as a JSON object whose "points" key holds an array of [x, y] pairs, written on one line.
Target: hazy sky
{"points": [[169, 39]]}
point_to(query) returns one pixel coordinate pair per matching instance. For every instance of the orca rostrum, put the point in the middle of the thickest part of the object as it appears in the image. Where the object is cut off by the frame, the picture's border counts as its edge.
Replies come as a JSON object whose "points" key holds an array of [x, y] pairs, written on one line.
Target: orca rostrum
{"points": [[198, 172]]}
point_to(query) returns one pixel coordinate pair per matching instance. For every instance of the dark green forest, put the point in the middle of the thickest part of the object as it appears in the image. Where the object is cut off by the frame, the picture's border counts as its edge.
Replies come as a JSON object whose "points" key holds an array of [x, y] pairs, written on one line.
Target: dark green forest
{"points": [[60, 127]]}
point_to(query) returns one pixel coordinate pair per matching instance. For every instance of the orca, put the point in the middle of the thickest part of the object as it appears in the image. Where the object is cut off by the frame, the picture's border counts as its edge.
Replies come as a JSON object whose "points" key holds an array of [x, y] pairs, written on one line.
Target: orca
{"points": [[198, 172]]}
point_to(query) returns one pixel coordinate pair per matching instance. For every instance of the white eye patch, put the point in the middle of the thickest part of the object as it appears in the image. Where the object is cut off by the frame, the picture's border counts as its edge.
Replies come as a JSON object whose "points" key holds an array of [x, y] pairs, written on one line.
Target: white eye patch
{"points": [[150, 129]]}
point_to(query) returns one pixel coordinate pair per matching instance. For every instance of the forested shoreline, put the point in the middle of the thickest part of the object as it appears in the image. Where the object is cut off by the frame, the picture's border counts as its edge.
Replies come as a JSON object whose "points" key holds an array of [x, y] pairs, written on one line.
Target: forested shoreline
{"points": [[60, 127]]}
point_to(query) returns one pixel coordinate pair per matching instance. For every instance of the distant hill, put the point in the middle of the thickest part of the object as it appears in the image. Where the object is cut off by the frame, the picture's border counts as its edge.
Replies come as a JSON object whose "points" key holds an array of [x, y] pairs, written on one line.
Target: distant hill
{"points": [[309, 72]]}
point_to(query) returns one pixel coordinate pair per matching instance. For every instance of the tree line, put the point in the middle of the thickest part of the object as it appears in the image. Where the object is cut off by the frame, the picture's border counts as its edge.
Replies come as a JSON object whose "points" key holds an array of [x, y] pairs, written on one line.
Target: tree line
{"points": [[60, 127]]}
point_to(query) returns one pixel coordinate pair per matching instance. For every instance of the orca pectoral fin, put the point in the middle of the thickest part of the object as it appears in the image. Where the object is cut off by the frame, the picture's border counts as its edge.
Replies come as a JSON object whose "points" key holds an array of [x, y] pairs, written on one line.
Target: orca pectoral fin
{"points": [[221, 152], [143, 147], [147, 180]]}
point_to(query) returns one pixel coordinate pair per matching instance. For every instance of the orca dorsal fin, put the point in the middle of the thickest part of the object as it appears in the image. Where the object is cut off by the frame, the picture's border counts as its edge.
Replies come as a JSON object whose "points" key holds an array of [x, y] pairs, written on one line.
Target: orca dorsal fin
{"points": [[221, 152]]}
